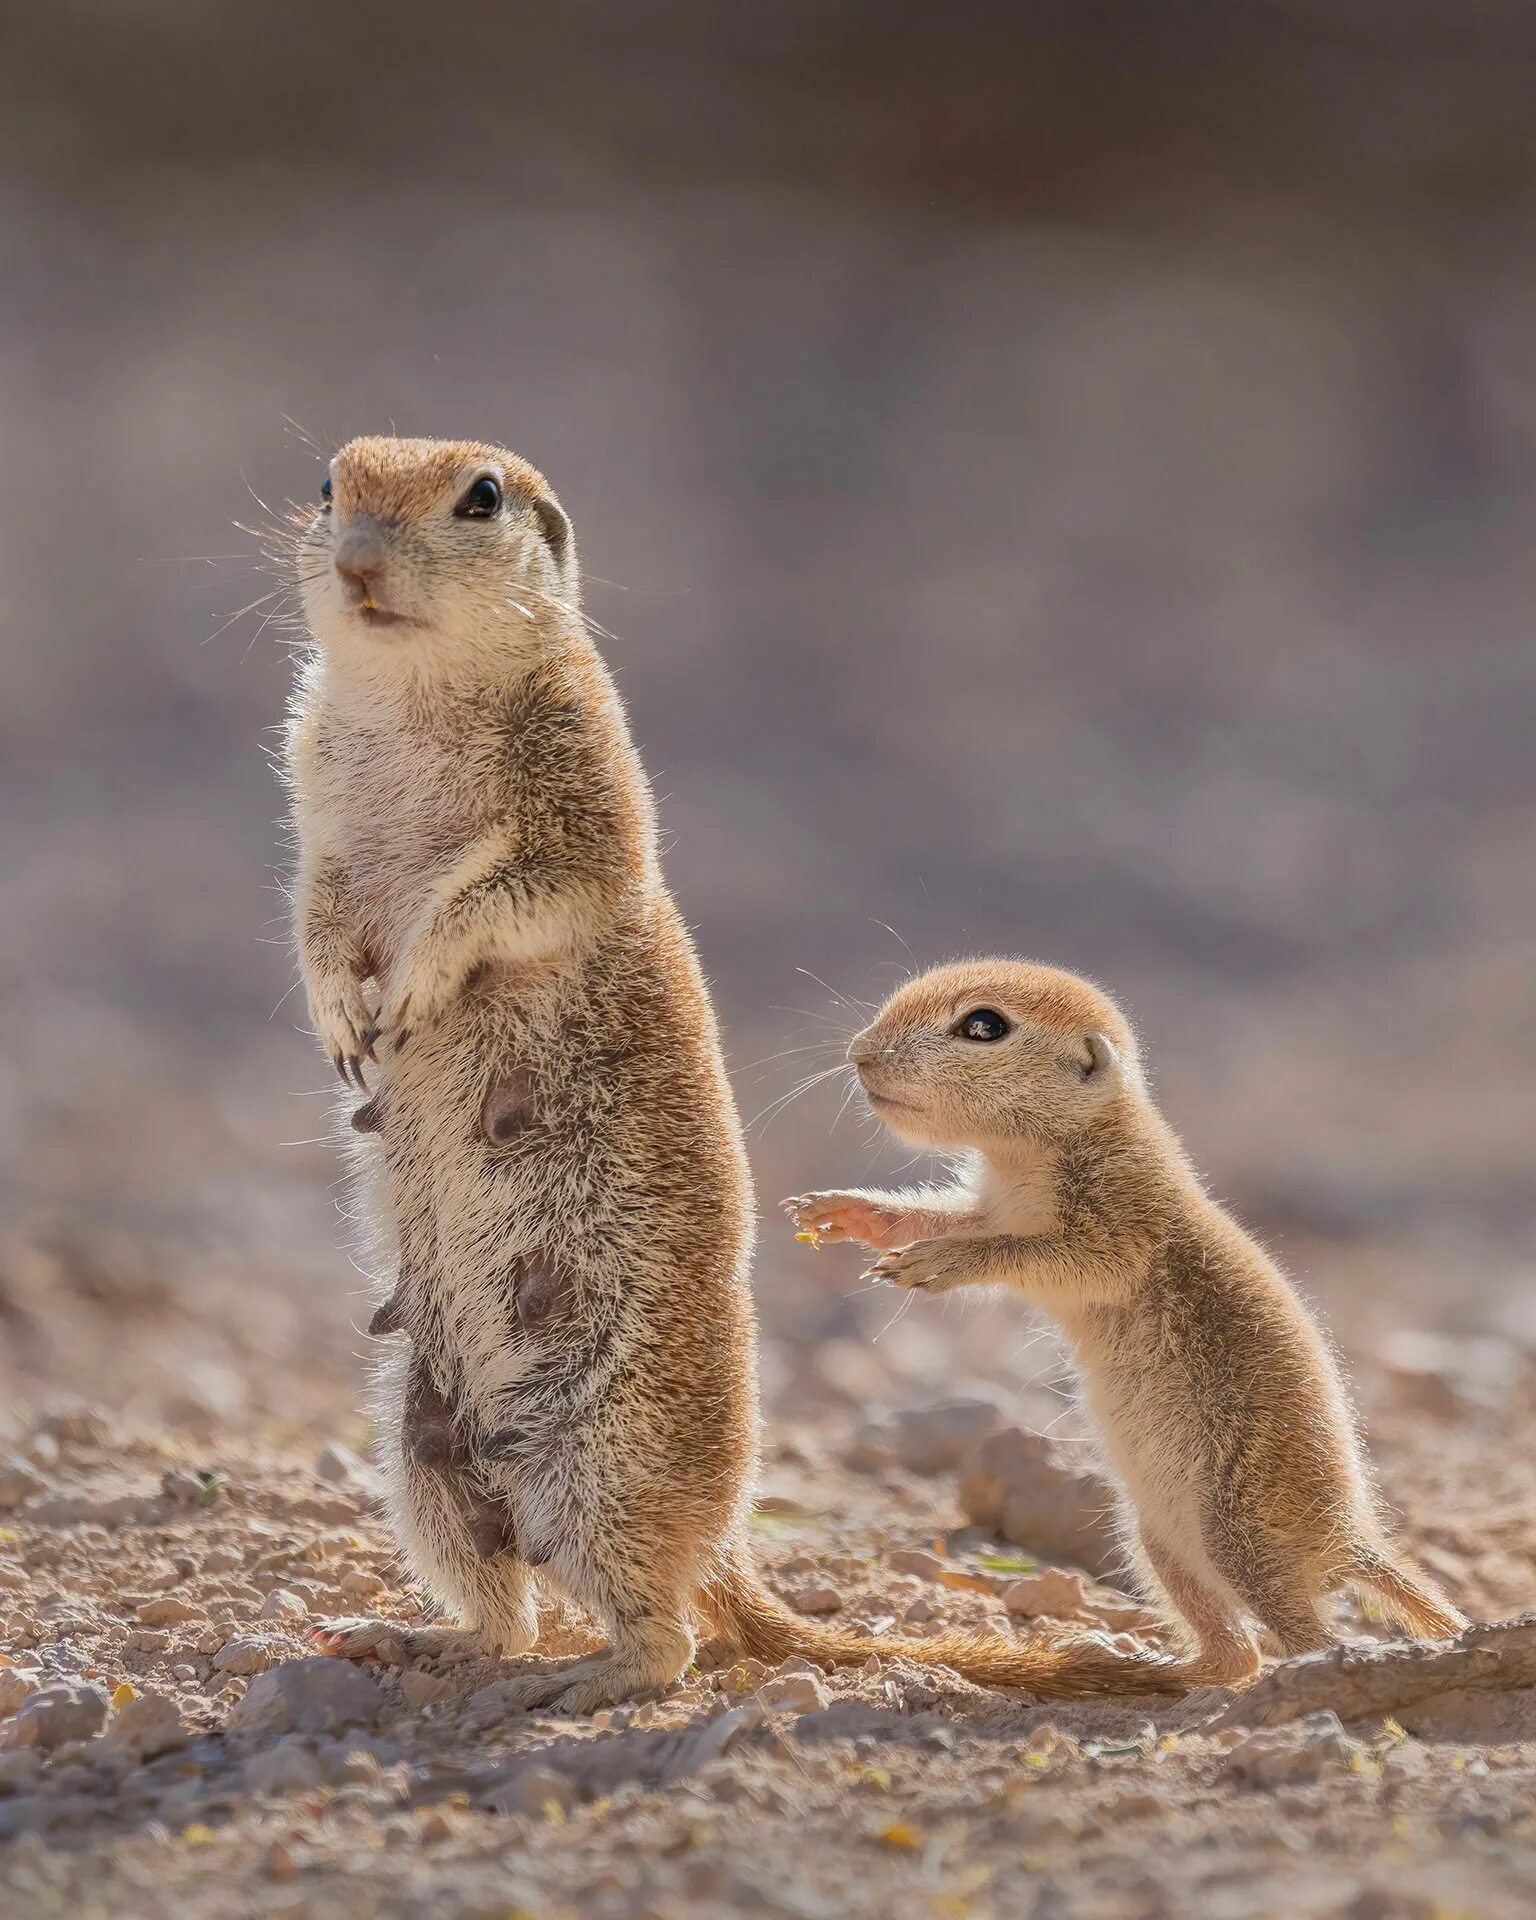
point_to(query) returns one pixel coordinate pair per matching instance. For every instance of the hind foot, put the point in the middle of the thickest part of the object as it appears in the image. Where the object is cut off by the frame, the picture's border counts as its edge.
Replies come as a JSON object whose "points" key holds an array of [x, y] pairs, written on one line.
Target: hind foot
{"points": [[589, 1685], [393, 1644]]}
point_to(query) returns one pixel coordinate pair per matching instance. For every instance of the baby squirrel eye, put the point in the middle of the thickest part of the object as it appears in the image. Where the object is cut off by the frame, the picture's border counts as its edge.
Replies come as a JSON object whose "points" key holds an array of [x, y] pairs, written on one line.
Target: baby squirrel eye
{"points": [[482, 500], [325, 493], [985, 1023]]}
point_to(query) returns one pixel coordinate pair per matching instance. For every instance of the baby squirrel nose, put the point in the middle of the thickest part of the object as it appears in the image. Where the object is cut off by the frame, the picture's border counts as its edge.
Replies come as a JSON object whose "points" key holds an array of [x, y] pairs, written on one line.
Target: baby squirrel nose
{"points": [[861, 1049]]}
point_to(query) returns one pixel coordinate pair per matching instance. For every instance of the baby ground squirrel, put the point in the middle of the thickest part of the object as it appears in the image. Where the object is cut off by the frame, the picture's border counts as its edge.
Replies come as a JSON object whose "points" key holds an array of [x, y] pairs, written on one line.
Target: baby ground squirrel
{"points": [[1242, 1488], [553, 1163]]}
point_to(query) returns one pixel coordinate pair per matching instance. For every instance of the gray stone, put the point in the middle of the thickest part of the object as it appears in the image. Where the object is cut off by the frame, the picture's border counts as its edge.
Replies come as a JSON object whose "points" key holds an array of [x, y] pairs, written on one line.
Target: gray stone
{"points": [[111, 1504], [1053, 1592], [1027, 1488], [873, 1447], [146, 1726], [67, 1710], [1313, 1748], [17, 1686], [937, 1439], [341, 1467], [317, 1695], [290, 1766], [251, 1653], [793, 1693], [818, 1600], [1366, 1678], [19, 1770], [282, 1604], [533, 1790]]}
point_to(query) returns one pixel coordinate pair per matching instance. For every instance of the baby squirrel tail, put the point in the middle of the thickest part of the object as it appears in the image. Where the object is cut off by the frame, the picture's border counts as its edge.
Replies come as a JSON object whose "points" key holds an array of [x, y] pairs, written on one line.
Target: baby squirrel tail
{"points": [[1055, 1669], [1409, 1598]]}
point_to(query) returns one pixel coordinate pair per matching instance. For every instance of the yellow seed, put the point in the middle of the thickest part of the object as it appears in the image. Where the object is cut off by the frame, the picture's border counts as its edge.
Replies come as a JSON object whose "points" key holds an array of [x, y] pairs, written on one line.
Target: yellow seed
{"points": [[121, 1695], [810, 1237], [900, 1834], [197, 1835]]}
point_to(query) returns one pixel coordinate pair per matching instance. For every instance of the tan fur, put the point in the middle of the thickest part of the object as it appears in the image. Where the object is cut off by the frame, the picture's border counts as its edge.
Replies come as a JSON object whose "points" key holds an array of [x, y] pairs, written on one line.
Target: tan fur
{"points": [[1242, 1487], [553, 1164]]}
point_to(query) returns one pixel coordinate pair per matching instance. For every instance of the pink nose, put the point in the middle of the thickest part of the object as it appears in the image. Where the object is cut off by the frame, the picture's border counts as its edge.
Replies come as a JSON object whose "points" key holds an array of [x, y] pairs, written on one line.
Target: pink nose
{"points": [[360, 560]]}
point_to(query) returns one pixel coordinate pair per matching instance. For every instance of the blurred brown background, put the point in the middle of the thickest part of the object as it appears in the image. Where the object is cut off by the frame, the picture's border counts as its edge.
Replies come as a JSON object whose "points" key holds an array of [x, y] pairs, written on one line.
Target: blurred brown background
{"points": [[1061, 477]]}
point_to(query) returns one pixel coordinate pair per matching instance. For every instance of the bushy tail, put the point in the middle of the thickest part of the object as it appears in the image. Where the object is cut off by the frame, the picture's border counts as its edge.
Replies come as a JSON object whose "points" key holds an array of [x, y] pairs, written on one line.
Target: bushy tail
{"points": [[1055, 1669], [1409, 1598]]}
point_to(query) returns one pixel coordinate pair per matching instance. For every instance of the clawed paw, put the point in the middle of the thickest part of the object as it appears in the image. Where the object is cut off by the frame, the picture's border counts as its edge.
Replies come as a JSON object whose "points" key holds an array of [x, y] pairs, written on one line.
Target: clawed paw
{"points": [[919, 1267], [536, 1692], [344, 1024], [839, 1216], [362, 1639]]}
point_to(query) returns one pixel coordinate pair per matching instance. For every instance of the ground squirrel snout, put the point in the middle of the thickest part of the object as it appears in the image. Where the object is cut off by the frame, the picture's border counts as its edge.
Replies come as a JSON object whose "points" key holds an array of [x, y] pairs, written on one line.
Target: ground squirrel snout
{"points": [[1243, 1492], [416, 539], [969, 1053]]}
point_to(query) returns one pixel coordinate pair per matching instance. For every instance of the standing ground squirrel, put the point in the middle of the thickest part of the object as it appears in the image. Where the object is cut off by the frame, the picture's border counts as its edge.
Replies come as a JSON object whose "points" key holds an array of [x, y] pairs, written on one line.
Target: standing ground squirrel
{"points": [[555, 1161], [1242, 1486]]}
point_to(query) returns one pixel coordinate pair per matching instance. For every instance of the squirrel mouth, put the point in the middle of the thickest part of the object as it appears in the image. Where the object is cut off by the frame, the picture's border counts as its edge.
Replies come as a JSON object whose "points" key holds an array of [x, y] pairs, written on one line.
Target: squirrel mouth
{"points": [[885, 1100], [373, 615]]}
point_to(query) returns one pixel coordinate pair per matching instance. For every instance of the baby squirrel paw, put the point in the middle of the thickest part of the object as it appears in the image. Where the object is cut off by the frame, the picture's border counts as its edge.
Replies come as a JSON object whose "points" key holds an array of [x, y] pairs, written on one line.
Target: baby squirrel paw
{"points": [[927, 1266], [841, 1216], [343, 1023]]}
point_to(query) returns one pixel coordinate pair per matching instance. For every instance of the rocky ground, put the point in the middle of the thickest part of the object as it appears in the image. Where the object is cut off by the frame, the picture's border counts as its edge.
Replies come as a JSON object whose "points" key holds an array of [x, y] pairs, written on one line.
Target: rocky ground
{"points": [[169, 1739]]}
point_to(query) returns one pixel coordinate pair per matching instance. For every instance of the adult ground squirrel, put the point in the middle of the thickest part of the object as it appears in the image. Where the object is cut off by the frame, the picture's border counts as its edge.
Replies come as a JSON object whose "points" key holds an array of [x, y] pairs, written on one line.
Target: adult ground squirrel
{"points": [[555, 1161], [1227, 1432]]}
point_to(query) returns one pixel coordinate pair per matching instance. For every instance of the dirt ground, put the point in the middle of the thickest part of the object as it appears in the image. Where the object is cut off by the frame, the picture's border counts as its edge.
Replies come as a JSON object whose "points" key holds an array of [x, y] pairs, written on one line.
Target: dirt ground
{"points": [[165, 1552], [1061, 485]]}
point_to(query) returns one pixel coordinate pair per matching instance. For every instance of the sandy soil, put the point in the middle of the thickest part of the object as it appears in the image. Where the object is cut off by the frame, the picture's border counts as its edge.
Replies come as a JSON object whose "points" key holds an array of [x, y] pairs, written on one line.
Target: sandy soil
{"points": [[180, 1544]]}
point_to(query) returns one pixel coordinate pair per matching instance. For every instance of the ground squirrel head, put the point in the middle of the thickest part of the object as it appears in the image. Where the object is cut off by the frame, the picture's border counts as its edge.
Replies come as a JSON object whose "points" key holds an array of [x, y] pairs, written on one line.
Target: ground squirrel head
{"points": [[989, 1050], [427, 547]]}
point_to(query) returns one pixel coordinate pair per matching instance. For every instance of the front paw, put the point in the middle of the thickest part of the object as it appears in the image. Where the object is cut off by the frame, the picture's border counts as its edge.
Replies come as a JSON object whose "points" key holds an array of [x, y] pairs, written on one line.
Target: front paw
{"points": [[840, 1216], [420, 998], [927, 1266], [344, 1025]]}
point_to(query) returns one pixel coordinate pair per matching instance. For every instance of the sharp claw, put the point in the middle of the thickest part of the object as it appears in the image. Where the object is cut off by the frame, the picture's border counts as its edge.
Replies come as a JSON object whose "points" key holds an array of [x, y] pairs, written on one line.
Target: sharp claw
{"points": [[354, 1061], [339, 1062]]}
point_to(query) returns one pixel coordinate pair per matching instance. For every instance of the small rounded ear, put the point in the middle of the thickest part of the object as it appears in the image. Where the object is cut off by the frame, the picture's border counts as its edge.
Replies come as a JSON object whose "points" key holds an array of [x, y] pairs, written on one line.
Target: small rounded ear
{"points": [[1103, 1060], [554, 526]]}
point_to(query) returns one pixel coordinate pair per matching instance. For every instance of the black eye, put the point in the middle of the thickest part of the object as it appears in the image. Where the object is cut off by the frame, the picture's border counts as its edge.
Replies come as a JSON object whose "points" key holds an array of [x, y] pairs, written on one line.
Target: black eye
{"points": [[482, 500], [325, 493], [984, 1024]]}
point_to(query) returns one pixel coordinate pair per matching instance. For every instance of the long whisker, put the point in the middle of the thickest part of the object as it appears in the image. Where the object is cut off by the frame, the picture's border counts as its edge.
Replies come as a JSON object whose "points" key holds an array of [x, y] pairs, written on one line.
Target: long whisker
{"points": [[905, 1305], [858, 1008], [240, 613], [906, 948], [816, 1046], [826, 1019], [303, 434], [775, 1107], [852, 1089]]}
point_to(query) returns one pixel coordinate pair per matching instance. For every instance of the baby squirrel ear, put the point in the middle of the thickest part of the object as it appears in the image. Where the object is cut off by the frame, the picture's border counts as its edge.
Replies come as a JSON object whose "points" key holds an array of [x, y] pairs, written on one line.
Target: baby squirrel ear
{"points": [[554, 526], [1103, 1060]]}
